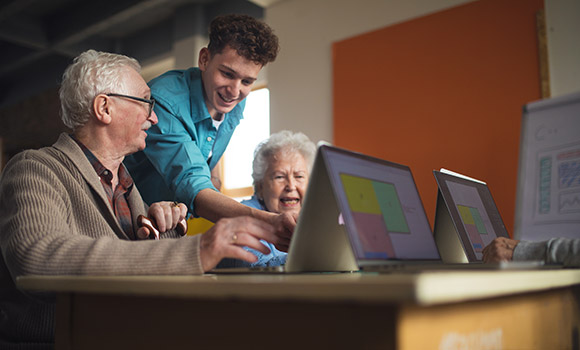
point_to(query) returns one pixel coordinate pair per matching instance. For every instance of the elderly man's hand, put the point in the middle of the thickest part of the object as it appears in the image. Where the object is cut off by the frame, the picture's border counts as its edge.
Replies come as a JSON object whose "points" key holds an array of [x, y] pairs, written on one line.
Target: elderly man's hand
{"points": [[166, 216], [227, 238], [500, 249]]}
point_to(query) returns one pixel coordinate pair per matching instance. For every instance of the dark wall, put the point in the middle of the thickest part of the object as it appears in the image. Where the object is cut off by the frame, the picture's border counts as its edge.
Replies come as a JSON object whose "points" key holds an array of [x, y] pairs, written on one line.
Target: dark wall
{"points": [[39, 39]]}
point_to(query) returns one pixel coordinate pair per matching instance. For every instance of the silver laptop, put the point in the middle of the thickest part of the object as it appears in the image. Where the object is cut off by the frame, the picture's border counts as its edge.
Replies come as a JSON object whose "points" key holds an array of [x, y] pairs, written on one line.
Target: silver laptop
{"points": [[466, 220], [360, 212]]}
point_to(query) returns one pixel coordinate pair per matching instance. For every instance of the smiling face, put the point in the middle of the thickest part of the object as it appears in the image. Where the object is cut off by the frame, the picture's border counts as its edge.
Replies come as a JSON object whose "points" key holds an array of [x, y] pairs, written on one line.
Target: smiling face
{"points": [[227, 79], [284, 184]]}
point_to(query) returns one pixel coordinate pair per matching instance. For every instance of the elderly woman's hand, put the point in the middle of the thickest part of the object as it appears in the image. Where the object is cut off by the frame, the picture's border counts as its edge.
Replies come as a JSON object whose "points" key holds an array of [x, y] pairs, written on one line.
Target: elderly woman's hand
{"points": [[284, 225]]}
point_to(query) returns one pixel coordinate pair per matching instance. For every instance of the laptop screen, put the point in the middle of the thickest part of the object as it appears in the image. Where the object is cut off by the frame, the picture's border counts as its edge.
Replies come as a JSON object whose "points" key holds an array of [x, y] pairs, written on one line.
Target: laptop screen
{"points": [[473, 212], [381, 207]]}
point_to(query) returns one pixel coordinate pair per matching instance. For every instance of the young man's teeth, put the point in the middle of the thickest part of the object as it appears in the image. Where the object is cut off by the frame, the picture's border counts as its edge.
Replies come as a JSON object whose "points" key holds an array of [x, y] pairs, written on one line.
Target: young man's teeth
{"points": [[228, 100]]}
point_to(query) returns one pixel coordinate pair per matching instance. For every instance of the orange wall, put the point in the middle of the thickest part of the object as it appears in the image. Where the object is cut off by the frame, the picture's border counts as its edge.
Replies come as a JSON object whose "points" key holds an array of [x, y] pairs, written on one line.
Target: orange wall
{"points": [[444, 90]]}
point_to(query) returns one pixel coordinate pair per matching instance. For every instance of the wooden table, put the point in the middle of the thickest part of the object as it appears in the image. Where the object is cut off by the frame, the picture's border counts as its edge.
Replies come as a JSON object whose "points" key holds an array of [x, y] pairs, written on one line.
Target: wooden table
{"points": [[429, 310]]}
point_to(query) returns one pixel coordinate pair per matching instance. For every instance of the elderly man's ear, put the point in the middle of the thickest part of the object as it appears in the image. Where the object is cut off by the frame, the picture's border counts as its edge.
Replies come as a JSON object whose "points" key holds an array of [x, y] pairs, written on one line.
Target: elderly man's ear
{"points": [[102, 106]]}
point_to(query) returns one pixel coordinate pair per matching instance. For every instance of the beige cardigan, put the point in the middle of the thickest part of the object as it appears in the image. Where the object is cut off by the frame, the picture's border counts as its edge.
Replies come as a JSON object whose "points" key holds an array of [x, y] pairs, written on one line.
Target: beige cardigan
{"points": [[55, 219]]}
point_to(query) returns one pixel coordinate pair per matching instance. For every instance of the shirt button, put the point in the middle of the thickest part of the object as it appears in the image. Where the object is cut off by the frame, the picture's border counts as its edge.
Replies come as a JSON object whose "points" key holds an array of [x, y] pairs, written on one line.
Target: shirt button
{"points": [[208, 138]]}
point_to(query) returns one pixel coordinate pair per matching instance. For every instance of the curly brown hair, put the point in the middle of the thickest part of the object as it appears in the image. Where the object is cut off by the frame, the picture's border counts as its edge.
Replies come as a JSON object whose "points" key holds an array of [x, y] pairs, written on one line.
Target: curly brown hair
{"points": [[251, 38]]}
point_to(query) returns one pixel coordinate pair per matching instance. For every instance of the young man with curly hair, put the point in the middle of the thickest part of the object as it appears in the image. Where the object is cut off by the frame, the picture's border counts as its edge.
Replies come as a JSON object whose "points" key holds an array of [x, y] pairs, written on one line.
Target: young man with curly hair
{"points": [[198, 110]]}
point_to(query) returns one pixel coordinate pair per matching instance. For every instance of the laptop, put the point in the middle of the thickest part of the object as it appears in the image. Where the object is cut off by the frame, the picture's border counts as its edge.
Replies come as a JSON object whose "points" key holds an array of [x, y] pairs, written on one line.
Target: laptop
{"points": [[376, 211], [466, 220]]}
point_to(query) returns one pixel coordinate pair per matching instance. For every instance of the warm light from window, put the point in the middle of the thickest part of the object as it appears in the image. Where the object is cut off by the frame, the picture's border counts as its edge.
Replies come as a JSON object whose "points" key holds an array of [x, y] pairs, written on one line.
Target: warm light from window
{"points": [[254, 128]]}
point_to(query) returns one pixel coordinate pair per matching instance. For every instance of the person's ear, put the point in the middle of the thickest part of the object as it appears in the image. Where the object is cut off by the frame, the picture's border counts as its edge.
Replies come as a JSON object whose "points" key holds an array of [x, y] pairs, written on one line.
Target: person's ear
{"points": [[204, 58], [102, 106]]}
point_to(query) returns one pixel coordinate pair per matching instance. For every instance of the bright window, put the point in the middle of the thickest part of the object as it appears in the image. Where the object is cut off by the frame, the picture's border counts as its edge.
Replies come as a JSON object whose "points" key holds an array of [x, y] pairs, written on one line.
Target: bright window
{"points": [[237, 160]]}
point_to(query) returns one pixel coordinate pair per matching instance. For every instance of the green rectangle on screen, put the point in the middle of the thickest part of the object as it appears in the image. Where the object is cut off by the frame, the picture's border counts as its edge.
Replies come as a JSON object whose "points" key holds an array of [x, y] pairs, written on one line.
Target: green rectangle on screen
{"points": [[478, 221], [391, 207]]}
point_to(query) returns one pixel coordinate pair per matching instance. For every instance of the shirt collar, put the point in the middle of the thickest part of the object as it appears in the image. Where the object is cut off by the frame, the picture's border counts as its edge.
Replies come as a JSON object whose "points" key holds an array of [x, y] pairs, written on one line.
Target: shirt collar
{"points": [[125, 179]]}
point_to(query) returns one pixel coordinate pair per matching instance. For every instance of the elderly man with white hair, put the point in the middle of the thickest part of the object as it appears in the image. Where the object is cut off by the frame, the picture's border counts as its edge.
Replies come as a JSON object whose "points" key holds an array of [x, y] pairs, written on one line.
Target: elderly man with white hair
{"points": [[72, 208]]}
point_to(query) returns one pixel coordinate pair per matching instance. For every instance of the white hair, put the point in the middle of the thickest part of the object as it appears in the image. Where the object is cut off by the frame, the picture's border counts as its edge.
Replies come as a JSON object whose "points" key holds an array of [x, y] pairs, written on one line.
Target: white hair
{"points": [[90, 74], [286, 141]]}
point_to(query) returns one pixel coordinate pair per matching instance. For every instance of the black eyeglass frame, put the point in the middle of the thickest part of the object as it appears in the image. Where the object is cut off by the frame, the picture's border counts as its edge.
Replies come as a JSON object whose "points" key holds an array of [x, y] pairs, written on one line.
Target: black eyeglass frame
{"points": [[151, 101]]}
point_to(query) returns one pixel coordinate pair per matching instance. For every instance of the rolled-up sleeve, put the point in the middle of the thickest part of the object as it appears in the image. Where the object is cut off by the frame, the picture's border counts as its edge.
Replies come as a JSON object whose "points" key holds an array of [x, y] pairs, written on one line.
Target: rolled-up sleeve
{"points": [[564, 251]]}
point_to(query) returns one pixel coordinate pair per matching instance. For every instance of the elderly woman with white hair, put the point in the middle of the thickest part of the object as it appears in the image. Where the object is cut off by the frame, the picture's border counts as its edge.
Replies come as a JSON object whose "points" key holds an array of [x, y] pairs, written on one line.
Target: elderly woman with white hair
{"points": [[280, 171]]}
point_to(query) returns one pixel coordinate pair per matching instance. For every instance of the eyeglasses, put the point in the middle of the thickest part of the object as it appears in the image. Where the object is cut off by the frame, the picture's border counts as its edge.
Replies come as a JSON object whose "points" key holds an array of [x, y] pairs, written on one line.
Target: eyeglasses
{"points": [[151, 102]]}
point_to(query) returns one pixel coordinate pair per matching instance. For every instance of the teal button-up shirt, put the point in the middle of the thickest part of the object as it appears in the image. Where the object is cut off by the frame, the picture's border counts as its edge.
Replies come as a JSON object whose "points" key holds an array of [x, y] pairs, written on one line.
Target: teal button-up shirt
{"points": [[176, 163]]}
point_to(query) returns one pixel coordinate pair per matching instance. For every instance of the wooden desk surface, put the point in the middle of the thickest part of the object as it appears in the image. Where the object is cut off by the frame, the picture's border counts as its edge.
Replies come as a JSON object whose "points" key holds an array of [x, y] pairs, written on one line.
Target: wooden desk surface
{"points": [[486, 309], [426, 288]]}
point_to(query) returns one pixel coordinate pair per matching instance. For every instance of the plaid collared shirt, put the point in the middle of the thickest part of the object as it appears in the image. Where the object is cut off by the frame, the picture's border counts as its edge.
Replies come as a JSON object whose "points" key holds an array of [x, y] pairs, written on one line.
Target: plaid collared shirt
{"points": [[118, 197]]}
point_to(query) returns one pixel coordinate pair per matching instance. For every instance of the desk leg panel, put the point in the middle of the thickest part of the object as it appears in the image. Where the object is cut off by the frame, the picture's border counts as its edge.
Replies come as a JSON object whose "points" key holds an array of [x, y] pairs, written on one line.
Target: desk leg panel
{"points": [[63, 321], [135, 322]]}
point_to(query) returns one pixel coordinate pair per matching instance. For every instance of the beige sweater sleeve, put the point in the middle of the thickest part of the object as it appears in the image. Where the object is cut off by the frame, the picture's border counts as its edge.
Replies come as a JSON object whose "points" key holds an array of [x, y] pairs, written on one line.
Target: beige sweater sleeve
{"points": [[52, 222]]}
